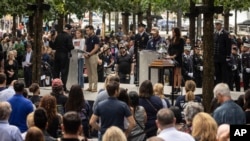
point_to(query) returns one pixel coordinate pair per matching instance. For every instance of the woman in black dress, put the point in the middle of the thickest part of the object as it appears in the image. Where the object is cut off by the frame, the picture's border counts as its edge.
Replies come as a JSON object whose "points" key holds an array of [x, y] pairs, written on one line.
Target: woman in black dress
{"points": [[11, 68], [175, 51]]}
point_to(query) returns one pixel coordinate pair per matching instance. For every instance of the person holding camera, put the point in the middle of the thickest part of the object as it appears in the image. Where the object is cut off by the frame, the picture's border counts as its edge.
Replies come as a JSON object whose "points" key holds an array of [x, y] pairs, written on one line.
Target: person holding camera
{"points": [[63, 45]]}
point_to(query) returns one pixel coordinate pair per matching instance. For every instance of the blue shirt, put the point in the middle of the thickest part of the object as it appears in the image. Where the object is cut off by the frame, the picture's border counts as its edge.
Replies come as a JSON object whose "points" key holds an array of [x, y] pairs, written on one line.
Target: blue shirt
{"points": [[112, 112], [21, 107], [9, 132], [229, 112]]}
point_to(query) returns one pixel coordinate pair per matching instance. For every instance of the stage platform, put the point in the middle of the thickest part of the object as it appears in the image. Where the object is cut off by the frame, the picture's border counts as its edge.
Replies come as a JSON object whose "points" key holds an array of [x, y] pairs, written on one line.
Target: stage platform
{"points": [[91, 96]]}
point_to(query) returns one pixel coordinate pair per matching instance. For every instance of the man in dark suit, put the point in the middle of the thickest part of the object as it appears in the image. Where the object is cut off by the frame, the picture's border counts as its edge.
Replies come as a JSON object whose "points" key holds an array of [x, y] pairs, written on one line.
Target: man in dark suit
{"points": [[27, 65], [98, 31], [63, 45], [141, 40], [222, 52]]}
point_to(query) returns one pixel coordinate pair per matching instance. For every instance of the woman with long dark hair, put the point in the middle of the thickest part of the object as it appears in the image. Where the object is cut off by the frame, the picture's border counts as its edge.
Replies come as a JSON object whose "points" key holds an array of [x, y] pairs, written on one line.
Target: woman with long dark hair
{"points": [[152, 104], [77, 103], [175, 52]]}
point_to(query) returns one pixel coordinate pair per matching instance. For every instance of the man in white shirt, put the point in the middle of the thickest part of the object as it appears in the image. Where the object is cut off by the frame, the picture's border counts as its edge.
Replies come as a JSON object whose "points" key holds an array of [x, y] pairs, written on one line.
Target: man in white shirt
{"points": [[27, 65], [166, 123], [5, 93]]}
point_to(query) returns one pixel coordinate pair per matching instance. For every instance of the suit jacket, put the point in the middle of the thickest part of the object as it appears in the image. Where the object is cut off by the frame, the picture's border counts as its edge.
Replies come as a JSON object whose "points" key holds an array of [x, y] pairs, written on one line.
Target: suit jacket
{"points": [[141, 40], [31, 58], [222, 46]]}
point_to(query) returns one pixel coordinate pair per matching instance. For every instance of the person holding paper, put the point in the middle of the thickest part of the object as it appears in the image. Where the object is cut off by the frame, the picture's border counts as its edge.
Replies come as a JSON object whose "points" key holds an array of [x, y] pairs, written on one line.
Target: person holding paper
{"points": [[79, 43]]}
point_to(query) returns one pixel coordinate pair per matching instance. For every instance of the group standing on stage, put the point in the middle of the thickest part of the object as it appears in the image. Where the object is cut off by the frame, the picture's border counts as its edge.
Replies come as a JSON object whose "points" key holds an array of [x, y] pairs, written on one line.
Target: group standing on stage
{"points": [[119, 53]]}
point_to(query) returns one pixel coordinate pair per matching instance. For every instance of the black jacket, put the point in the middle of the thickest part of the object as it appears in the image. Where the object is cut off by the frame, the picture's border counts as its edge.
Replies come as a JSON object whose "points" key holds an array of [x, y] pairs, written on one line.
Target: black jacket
{"points": [[63, 43], [222, 46]]}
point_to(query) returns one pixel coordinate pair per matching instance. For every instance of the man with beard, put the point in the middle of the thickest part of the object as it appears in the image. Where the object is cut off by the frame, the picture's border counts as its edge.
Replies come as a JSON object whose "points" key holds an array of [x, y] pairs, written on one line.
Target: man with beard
{"points": [[155, 42], [124, 65]]}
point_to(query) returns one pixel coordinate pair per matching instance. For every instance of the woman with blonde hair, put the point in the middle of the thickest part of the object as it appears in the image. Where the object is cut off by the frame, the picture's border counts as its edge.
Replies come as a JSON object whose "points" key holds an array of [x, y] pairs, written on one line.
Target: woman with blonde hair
{"points": [[11, 68], [114, 133], [159, 91], [48, 102], [204, 127], [182, 100]]}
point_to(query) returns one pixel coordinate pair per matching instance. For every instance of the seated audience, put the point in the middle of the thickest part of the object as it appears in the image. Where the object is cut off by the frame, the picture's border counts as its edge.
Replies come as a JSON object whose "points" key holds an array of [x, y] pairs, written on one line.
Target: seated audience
{"points": [[228, 112], [21, 107], [34, 134], [72, 127], [204, 127], [8, 132], [114, 133], [182, 100], [166, 122], [159, 91]]}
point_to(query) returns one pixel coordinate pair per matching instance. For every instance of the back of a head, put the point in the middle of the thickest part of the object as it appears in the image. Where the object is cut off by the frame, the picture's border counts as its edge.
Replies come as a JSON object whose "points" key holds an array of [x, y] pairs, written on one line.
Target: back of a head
{"points": [[177, 113], [114, 78], [114, 133], [146, 89], [247, 99], [204, 127], [30, 120], [40, 118], [123, 95], [222, 89], [191, 109], [134, 98], [190, 88], [155, 138], [34, 87], [2, 78], [34, 134], [5, 110], [19, 86], [165, 116], [112, 88], [158, 90], [223, 129], [71, 122]]}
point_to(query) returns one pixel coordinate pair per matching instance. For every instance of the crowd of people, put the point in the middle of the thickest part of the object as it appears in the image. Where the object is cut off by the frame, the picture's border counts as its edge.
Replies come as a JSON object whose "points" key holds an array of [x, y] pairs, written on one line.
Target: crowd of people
{"points": [[117, 114]]}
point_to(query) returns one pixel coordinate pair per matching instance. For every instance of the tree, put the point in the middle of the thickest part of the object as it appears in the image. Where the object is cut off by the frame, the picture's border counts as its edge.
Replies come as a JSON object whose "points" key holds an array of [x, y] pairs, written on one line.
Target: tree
{"points": [[229, 5], [208, 47]]}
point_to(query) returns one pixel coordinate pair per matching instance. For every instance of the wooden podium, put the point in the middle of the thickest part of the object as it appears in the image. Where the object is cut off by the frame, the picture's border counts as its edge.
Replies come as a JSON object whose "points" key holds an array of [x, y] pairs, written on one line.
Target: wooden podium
{"points": [[161, 62], [161, 65]]}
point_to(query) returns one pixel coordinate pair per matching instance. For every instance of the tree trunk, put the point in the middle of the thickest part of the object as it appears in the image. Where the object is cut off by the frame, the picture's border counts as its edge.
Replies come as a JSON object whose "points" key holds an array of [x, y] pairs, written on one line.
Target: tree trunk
{"points": [[31, 25], [90, 17], [226, 19], [36, 67], [14, 25], [208, 47], [109, 21], [179, 16], [134, 22], [139, 17], [149, 18], [103, 24], [116, 21], [60, 23], [125, 22], [192, 23], [235, 23], [199, 26]]}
